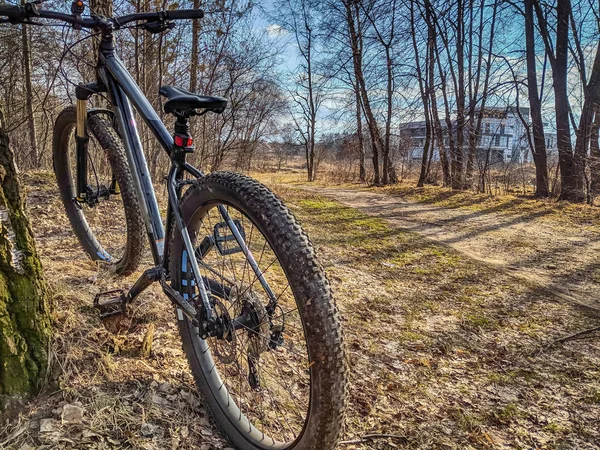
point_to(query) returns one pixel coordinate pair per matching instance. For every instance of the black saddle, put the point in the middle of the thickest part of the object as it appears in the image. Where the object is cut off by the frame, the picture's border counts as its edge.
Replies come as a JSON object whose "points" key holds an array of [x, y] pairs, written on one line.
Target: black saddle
{"points": [[182, 102]]}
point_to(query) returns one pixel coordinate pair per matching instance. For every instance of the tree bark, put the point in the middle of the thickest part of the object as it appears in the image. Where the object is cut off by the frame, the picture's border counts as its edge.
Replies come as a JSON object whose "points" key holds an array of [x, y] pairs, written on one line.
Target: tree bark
{"points": [[361, 141], [424, 88], [25, 322], [33, 151], [595, 157], [355, 35], [437, 125], [568, 173], [535, 107], [583, 135], [194, 52], [457, 160]]}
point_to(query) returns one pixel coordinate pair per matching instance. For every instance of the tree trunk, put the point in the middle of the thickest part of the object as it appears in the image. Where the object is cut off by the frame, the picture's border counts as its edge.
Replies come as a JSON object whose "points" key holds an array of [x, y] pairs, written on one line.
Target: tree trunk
{"points": [[33, 151], [194, 53], [424, 88], [389, 174], [594, 158], [102, 8], [535, 106], [355, 34], [591, 96], [437, 125], [568, 173], [24, 304], [457, 160], [361, 141]]}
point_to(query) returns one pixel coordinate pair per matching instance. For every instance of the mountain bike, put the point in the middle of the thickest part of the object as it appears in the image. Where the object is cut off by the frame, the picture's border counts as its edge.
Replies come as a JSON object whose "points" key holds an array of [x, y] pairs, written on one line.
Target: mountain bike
{"points": [[254, 309]]}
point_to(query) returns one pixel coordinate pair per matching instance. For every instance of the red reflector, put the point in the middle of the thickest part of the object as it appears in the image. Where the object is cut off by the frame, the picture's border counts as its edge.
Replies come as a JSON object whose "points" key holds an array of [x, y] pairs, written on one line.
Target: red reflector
{"points": [[183, 142]]}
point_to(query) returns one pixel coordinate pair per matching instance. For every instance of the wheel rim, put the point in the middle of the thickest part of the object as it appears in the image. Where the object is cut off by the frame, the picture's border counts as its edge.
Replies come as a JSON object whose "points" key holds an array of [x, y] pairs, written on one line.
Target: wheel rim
{"points": [[105, 219], [264, 392]]}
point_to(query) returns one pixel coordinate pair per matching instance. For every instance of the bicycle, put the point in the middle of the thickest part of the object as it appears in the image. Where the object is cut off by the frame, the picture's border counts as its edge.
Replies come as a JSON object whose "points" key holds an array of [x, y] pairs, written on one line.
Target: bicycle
{"points": [[261, 334]]}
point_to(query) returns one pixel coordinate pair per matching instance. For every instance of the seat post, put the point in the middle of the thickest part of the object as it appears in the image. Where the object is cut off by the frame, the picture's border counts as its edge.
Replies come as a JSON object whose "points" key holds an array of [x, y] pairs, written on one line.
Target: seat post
{"points": [[182, 140]]}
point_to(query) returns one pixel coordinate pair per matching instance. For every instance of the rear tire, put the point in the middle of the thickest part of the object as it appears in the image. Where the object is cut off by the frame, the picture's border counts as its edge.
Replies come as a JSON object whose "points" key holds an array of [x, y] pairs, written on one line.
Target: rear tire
{"points": [[63, 143], [318, 314]]}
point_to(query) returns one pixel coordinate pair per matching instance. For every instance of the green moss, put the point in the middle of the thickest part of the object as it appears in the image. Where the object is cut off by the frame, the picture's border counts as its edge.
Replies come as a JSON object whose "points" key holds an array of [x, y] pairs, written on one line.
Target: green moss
{"points": [[507, 413], [25, 321]]}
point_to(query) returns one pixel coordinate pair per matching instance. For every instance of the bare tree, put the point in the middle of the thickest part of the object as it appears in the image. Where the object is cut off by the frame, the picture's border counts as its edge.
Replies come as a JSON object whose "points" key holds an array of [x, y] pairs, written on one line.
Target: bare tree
{"points": [[571, 187], [535, 105], [308, 93]]}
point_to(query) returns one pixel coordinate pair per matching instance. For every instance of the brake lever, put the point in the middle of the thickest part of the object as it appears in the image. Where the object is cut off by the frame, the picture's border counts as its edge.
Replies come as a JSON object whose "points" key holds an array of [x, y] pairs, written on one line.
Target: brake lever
{"points": [[158, 26]]}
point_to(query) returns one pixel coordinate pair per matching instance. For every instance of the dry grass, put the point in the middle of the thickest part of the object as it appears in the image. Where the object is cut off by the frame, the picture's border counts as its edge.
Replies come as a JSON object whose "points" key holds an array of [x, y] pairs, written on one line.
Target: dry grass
{"points": [[128, 401], [445, 352], [512, 204]]}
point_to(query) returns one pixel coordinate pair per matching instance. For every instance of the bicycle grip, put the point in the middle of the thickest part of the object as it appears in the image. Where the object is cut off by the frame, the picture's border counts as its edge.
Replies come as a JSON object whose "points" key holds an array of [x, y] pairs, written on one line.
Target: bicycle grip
{"points": [[13, 12], [185, 14]]}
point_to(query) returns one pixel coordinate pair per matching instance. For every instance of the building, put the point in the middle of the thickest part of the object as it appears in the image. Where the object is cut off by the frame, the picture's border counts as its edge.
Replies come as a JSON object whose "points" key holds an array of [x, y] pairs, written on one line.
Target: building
{"points": [[502, 137]]}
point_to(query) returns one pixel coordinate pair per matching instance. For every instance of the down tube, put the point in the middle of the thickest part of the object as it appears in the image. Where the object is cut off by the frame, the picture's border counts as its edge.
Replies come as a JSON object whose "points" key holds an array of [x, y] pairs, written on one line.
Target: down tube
{"points": [[140, 172]]}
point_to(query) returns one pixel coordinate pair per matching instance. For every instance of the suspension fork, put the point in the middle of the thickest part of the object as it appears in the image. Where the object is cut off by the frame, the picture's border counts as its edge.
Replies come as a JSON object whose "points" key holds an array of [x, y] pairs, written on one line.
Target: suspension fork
{"points": [[81, 140]]}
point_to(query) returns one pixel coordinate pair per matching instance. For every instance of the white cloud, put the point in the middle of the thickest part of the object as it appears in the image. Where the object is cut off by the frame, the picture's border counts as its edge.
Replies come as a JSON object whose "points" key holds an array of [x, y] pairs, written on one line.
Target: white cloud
{"points": [[276, 30]]}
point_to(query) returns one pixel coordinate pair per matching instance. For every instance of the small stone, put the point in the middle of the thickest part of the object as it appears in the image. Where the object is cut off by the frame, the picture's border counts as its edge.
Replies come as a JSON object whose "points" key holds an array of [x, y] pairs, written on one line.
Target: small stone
{"points": [[34, 424], [165, 387], [48, 425], [72, 413], [185, 432], [89, 434], [26, 446], [58, 411], [148, 430], [157, 399]]}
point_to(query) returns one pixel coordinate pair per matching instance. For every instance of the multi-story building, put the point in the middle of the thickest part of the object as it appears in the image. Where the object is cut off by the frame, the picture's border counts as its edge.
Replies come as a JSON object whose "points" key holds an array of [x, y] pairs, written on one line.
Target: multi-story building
{"points": [[502, 137]]}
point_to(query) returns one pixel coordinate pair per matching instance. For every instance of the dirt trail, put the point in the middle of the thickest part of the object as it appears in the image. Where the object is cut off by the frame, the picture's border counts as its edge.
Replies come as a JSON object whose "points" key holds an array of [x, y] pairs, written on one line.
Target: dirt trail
{"points": [[562, 260]]}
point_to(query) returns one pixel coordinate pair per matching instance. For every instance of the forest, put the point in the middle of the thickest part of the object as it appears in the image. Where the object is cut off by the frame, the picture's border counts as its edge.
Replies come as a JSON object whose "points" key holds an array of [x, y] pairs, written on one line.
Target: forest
{"points": [[388, 238], [338, 81]]}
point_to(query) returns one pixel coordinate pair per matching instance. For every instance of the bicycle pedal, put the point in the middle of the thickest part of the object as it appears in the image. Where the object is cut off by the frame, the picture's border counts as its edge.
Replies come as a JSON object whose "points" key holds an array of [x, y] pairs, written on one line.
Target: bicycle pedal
{"points": [[115, 304]]}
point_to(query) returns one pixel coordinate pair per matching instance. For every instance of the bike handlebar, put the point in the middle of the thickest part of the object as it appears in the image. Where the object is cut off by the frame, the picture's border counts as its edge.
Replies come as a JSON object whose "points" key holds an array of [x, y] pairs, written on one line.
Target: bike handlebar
{"points": [[21, 14]]}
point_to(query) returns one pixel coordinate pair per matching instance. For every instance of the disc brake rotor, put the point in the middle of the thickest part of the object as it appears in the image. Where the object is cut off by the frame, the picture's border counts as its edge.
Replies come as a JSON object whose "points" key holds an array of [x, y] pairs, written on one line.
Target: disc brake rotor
{"points": [[226, 346], [248, 304]]}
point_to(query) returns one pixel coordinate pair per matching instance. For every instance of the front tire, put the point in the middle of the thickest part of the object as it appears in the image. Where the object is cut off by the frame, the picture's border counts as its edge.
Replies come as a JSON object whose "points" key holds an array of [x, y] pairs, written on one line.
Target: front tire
{"points": [[305, 303], [112, 230]]}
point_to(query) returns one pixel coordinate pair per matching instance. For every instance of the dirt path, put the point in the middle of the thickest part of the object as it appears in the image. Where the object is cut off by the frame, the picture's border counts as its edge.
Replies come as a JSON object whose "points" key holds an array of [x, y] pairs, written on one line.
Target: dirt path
{"points": [[561, 259]]}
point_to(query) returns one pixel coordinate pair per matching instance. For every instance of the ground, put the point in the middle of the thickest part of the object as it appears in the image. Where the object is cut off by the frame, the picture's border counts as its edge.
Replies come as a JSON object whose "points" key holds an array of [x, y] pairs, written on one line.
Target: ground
{"points": [[451, 305]]}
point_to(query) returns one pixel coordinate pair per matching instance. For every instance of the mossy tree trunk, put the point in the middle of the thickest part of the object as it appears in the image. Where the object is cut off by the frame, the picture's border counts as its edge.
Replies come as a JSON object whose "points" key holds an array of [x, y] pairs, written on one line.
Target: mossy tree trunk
{"points": [[25, 323]]}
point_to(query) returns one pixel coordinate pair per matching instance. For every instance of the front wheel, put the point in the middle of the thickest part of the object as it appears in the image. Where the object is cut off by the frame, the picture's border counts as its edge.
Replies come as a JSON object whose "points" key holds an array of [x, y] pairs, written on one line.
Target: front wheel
{"points": [[109, 222], [274, 376]]}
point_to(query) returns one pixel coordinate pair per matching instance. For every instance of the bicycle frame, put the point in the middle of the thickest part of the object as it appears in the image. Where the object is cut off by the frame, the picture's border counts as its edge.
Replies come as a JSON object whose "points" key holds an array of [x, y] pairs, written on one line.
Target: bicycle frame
{"points": [[116, 80]]}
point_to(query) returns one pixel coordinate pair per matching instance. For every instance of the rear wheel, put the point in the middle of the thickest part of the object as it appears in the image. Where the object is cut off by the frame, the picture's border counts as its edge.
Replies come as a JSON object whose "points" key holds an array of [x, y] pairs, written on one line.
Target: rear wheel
{"points": [[274, 377], [109, 224]]}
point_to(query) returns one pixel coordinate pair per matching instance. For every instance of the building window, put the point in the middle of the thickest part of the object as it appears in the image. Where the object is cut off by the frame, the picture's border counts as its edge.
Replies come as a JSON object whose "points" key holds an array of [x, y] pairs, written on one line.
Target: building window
{"points": [[501, 128], [497, 140]]}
